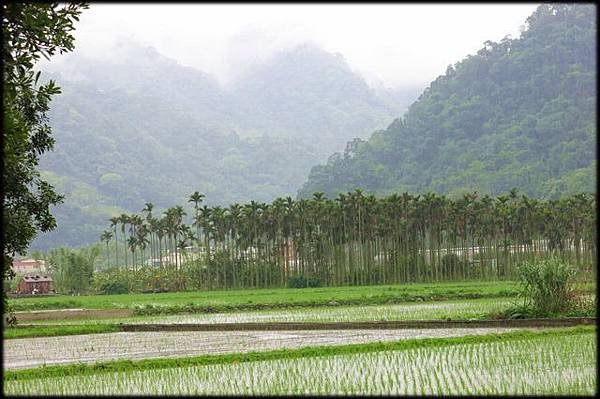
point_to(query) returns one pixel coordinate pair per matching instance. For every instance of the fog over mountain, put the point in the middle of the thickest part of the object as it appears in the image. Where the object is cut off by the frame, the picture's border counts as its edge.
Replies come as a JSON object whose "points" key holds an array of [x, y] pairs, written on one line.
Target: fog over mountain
{"points": [[236, 102], [140, 127], [397, 44], [519, 113]]}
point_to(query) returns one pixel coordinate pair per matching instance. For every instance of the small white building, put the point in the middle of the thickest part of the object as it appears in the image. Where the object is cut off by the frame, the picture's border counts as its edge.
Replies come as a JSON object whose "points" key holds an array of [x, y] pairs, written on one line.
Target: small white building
{"points": [[28, 266]]}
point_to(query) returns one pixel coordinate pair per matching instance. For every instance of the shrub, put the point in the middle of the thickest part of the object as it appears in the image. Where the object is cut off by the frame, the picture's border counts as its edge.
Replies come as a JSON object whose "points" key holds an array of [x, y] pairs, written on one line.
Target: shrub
{"points": [[114, 287], [313, 282], [547, 286], [11, 285], [300, 281]]}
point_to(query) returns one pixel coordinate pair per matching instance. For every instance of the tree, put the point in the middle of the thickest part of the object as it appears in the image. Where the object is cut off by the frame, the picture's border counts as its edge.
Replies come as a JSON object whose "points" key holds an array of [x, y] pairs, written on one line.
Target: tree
{"points": [[196, 198], [149, 228], [360, 239], [72, 269], [520, 113], [106, 237], [29, 31], [114, 221], [124, 220]]}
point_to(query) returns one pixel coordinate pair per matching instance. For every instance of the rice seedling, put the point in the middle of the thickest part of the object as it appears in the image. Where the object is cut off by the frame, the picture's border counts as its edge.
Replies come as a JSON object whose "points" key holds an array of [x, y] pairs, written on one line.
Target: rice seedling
{"points": [[455, 310], [32, 352], [475, 309], [549, 364]]}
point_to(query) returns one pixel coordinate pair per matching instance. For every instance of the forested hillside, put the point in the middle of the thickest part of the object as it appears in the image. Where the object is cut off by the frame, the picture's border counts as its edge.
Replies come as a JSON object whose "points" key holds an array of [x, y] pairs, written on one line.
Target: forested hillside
{"points": [[315, 95], [139, 127], [519, 113]]}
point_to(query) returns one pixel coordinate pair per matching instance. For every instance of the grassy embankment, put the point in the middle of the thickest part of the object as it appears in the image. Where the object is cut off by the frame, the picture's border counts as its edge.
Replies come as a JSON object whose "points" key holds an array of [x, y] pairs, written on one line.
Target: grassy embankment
{"points": [[53, 331]]}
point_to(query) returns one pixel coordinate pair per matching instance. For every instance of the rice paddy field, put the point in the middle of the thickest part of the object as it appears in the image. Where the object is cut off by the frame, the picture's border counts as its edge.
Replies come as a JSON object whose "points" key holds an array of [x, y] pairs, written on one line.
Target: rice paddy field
{"points": [[90, 354], [44, 351], [256, 299], [559, 362], [436, 310]]}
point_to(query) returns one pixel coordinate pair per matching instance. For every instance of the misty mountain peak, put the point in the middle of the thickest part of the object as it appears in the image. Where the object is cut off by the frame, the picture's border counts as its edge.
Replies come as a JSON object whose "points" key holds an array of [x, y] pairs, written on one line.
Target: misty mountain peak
{"points": [[304, 70], [134, 52], [310, 51], [309, 55]]}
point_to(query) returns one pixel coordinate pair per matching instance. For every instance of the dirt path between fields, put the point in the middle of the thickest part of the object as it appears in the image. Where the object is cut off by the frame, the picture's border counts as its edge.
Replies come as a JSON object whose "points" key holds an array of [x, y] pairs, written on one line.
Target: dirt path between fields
{"points": [[362, 325], [350, 325]]}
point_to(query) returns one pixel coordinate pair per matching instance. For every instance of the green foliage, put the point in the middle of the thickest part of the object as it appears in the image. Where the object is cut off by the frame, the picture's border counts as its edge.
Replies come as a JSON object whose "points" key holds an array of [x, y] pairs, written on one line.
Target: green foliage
{"points": [[114, 287], [548, 289], [11, 284], [143, 279], [300, 281], [547, 285], [355, 239], [29, 31], [519, 113], [72, 270]]}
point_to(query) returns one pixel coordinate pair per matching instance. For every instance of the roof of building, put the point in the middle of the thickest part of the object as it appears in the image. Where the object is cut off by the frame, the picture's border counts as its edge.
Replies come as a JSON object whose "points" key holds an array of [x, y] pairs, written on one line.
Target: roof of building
{"points": [[36, 278]]}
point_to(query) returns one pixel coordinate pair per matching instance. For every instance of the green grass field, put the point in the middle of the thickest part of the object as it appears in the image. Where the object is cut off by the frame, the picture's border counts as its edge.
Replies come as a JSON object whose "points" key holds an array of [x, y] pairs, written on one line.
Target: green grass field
{"points": [[557, 361], [231, 300]]}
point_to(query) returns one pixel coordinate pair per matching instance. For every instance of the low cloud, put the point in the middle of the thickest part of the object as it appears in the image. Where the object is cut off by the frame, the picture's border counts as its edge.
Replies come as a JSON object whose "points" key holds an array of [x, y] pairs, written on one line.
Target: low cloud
{"points": [[391, 45]]}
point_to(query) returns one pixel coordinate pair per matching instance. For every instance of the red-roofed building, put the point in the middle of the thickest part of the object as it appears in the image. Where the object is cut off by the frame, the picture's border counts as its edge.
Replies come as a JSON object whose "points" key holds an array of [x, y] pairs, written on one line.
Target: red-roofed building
{"points": [[34, 284]]}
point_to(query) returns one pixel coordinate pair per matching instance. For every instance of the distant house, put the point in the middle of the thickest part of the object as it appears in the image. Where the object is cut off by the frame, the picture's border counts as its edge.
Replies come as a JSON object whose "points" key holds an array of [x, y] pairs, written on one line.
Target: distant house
{"points": [[34, 283], [154, 262], [28, 266], [289, 251], [188, 255]]}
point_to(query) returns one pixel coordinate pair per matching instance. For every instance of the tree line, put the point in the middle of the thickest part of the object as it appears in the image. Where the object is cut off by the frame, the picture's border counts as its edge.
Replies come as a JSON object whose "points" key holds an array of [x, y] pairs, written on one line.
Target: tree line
{"points": [[354, 239]]}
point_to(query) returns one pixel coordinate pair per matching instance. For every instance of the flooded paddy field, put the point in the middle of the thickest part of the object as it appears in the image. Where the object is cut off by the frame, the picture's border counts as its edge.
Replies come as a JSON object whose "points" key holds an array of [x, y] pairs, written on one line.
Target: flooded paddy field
{"points": [[91, 348], [550, 365], [457, 309]]}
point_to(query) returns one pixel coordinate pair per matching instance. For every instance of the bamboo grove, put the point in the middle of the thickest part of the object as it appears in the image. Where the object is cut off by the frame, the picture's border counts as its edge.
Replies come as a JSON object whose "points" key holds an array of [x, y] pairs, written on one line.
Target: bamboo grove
{"points": [[354, 239]]}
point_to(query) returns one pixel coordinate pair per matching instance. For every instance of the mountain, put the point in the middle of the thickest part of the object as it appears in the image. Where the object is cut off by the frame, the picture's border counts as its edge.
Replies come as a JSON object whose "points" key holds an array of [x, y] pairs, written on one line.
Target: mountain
{"points": [[315, 95], [519, 113], [139, 127]]}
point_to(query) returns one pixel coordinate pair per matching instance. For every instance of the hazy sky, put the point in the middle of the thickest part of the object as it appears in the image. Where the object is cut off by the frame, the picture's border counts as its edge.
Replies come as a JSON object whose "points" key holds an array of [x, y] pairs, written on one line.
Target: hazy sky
{"points": [[398, 44]]}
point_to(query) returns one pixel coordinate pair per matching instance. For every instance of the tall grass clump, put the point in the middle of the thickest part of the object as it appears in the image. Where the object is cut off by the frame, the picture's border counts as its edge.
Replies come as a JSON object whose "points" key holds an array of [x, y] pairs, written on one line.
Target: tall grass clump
{"points": [[547, 287]]}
